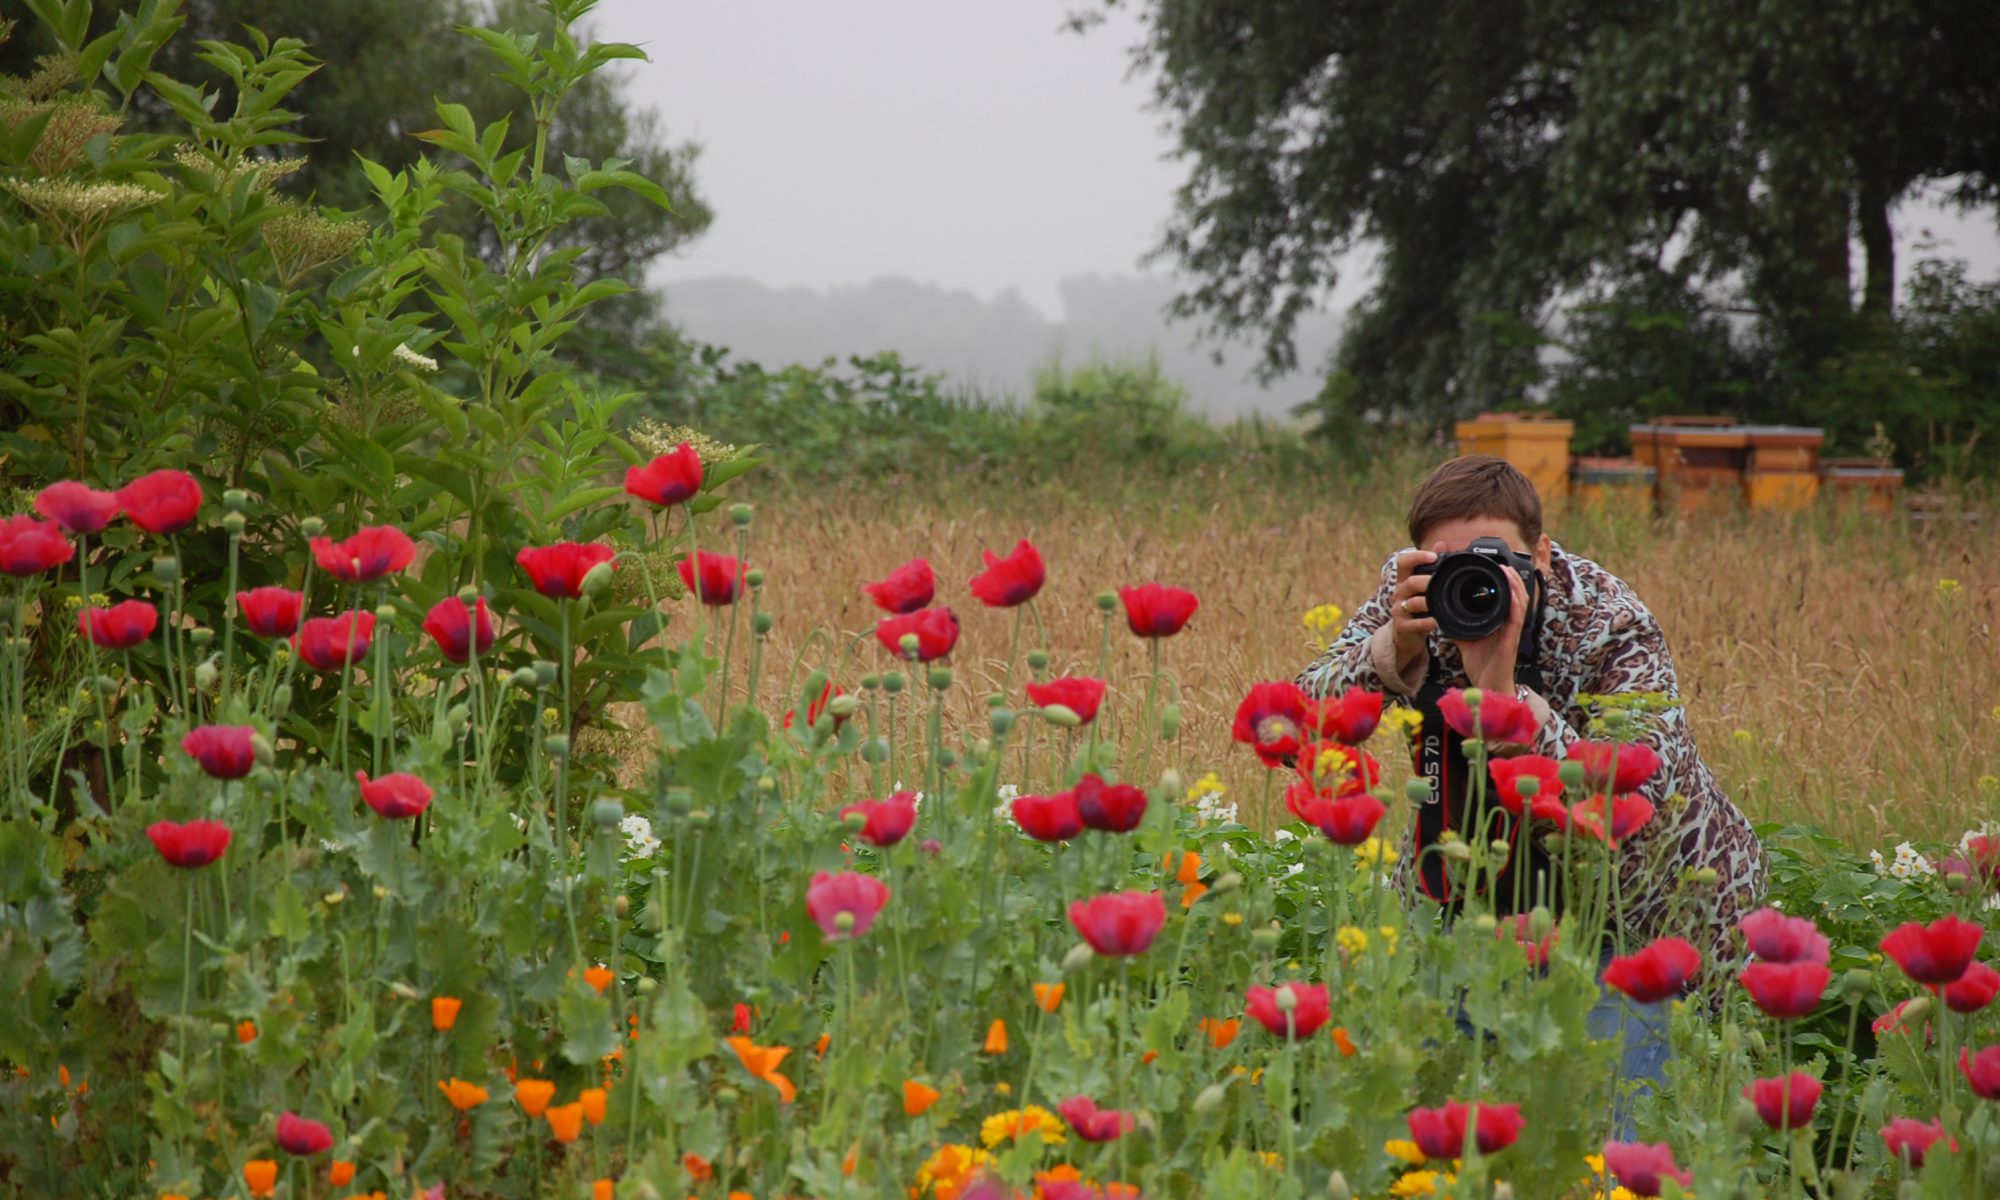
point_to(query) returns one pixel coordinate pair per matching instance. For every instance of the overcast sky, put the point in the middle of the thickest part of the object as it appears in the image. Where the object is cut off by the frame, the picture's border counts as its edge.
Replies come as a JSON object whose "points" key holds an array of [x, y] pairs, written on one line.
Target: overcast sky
{"points": [[968, 143]]}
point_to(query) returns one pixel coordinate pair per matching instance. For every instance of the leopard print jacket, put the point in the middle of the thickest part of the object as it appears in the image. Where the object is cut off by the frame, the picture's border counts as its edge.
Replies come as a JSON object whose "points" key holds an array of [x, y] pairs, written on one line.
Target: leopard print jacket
{"points": [[1597, 638]]}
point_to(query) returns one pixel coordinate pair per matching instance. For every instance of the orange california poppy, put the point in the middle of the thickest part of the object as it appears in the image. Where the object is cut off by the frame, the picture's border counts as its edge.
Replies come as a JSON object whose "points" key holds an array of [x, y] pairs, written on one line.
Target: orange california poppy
{"points": [[260, 1175], [698, 1168], [1190, 871], [601, 1189], [762, 1061], [853, 1157], [246, 1032], [599, 976], [463, 1095], [533, 1095], [1340, 1040], [1048, 996], [592, 1100], [819, 1047], [566, 1121], [996, 1037], [918, 1098], [444, 1012], [1149, 1056], [1193, 892], [340, 1173], [1220, 1032], [62, 1074]]}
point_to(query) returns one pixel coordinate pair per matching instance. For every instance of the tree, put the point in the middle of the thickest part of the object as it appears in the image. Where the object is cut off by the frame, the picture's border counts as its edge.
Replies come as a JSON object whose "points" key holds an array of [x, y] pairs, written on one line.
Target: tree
{"points": [[1506, 154]]}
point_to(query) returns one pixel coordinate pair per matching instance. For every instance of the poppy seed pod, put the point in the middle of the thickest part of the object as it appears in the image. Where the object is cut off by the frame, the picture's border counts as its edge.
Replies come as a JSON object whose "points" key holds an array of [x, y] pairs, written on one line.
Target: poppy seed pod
{"points": [[233, 524], [1527, 787], [1571, 773], [1000, 721], [545, 673], [940, 678], [557, 746], [892, 682], [947, 757], [740, 515], [754, 577], [1038, 660], [1417, 790], [167, 569], [1107, 602], [761, 624], [235, 500], [1485, 923], [201, 637], [875, 751], [1264, 937], [607, 813]]}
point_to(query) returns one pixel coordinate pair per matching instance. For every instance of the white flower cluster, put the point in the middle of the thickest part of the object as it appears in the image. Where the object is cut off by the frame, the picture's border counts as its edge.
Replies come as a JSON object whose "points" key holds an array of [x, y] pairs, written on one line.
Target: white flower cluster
{"points": [[1208, 806], [1908, 864], [407, 357], [639, 839], [1008, 793]]}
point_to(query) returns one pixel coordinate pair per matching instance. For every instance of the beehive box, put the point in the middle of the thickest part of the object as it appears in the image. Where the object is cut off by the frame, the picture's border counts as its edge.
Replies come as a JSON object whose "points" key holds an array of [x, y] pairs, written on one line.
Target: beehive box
{"points": [[1784, 448], [1868, 483], [1780, 490], [1538, 447], [1612, 483]]}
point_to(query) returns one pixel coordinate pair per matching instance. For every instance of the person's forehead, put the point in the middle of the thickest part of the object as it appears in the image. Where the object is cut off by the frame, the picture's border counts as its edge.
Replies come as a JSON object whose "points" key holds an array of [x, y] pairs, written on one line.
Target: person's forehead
{"points": [[1459, 532]]}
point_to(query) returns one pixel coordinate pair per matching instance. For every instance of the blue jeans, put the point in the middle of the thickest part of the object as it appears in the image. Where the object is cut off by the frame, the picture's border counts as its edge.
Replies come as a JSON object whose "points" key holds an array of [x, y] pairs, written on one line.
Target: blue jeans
{"points": [[1648, 1044]]}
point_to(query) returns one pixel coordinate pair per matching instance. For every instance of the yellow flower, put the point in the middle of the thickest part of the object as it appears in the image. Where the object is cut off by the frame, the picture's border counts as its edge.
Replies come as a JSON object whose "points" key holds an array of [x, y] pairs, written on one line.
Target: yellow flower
{"points": [[1017, 1123], [1323, 622], [1948, 589], [1406, 719], [1405, 1150], [1390, 935], [1421, 1183], [947, 1171], [1232, 918], [1209, 785], [1374, 851], [1271, 1159], [1351, 940]]}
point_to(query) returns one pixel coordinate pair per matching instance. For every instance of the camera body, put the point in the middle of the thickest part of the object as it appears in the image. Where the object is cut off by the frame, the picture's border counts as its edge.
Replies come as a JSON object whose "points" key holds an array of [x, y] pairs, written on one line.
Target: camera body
{"points": [[1469, 596]]}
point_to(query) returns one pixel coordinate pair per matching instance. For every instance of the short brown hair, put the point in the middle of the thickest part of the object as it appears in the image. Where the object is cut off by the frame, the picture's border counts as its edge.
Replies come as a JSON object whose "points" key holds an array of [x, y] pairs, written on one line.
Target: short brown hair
{"points": [[1478, 485]]}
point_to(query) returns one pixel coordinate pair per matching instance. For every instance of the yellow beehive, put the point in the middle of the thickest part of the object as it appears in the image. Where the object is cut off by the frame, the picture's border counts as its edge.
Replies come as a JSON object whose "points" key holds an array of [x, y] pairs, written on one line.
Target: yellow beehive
{"points": [[1780, 491], [1537, 447]]}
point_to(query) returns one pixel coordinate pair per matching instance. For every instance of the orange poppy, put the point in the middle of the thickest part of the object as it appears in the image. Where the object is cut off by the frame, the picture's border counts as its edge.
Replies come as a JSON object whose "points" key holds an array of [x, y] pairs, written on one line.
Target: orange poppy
{"points": [[533, 1095], [1190, 871], [340, 1173], [698, 1168], [260, 1175], [566, 1121], [847, 1164], [592, 1100], [1192, 893], [444, 1012], [762, 1061], [62, 1074], [1149, 1056], [246, 1032], [996, 1037], [1340, 1039], [599, 977], [600, 1189], [918, 1098], [1220, 1032], [819, 1047], [1049, 996], [463, 1095]]}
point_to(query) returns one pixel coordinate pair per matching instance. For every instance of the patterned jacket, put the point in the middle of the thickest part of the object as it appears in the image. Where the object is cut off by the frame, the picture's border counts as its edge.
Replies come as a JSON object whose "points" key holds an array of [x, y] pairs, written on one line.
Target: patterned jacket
{"points": [[1597, 638]]}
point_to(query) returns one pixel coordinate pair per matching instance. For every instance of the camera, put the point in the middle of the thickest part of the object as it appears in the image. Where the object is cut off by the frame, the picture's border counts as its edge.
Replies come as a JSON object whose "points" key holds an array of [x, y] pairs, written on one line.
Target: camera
{"points": [[1468, 594]]}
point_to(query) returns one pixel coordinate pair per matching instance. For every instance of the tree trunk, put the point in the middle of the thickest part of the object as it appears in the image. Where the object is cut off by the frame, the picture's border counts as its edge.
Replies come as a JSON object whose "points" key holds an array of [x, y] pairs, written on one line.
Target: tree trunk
{"points": [[1878, 242]]}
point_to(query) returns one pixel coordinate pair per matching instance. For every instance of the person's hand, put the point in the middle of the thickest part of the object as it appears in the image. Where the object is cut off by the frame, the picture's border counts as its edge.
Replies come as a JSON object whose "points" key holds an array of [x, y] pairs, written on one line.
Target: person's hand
{"points": [[1489, 661], [1409, 617]]}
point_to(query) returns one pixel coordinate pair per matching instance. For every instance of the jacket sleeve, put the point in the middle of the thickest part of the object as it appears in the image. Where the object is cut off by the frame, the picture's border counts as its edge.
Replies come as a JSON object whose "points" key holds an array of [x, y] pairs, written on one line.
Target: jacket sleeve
{"points": [[1631, 657], [1364, 654]]}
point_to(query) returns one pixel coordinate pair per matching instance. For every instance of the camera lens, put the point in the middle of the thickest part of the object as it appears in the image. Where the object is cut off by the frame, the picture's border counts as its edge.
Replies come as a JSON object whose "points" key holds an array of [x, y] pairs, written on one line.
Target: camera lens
{"points": [[1468, 596]]}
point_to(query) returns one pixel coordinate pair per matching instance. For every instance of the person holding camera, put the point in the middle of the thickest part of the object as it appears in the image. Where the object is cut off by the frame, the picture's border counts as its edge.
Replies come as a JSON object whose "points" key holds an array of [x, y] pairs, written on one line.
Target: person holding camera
{"points": [[1483, 599]]}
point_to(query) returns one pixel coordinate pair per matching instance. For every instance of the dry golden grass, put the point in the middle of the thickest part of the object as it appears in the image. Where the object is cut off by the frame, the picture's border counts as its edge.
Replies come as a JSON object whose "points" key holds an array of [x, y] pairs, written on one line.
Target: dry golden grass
{"points": [[1827, 679]]}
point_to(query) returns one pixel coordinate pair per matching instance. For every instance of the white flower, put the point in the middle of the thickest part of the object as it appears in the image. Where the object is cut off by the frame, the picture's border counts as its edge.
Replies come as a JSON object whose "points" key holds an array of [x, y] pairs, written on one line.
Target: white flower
{"points": [[1907, 864], [639, 839], [1986, 829], [1295, 869], [1992, 903], [416, 362], [1008, 791], [1284, 835]]}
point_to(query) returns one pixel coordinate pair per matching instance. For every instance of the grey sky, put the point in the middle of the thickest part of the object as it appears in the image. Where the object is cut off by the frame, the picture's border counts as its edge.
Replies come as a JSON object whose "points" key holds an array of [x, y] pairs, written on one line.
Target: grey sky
{"points": [[966, 143]]}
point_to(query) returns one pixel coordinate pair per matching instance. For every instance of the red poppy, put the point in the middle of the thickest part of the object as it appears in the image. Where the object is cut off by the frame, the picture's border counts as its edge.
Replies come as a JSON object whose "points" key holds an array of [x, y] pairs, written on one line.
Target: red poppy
{"points": [[1440, 1132], [721, 578], [669, 479], [1640, 1167], [1350, 820], [1655, 973], [298, 1136], [1309, 1004], [1078, 693], [1154, 610], [1775, 937], [120, 627], [1272, 721], [887, 821], [1508, 773], [451, 625], [1985, 851], [936, 630], [740, 1019], [1351, 717], [1502, 718], [1516, 928], [1048, 818], [1635, 764], [557, 571], [163, 502], [1111, 807], [818, 706], [1628, 815], [271, 612], [1787, 1101], [1786, 991], [1982, 1071], [195, 844], [396, 795], [1012, 580], [1119, 924], [1911, 1140], [1094, 1124], [905, 589], [330, 643], [858, 897], [1974, 990], [77, 507], [224, 751], [1337, 770], [29, 547], [370, 554], [1937, 953]]}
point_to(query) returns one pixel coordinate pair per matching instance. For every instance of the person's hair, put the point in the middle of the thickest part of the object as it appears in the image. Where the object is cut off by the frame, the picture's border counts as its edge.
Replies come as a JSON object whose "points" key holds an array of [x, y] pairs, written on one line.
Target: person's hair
{"points": [[1478, 485]]}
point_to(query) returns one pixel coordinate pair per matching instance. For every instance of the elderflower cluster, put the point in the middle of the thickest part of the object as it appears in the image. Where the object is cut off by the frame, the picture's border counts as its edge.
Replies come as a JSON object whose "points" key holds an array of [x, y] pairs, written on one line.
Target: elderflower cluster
{"points": [[407, 357], [73, 199], [639, 839], [1908, 864]]}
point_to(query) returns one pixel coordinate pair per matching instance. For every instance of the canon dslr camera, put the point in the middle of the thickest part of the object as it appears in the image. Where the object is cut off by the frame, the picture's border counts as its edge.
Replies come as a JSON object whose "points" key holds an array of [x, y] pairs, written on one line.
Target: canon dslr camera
{"points": [[1468, 593]]}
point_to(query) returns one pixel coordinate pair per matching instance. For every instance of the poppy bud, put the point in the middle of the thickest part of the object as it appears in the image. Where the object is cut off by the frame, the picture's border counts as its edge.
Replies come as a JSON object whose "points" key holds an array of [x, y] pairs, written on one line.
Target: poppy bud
{"points": [[556, 745], [870, 682], [281, 697], [1456, 851], [1499, 846], [822, 728], [646, 985], [1732, 1039], [235, 500], [767, 783], [260, 749], [1417, 790], [1264, 937], [1285, 998], [456, 718], [1107, 601], [740, 514], [1226, 883], [1552, 842], [1061, 715], [1000, 721], [523, 678], [855, 819], [1915, 1009], [909, 644], [1209, 1099], [644, 1190], [892, 682], [622, 907], [754, 577], [205, 676], [1170, 782], [607, 813], [200, 637], [761, 623], [727, 1095], [947, 757], [1078, 958], [875, 751], [1502, 1190], [1485, 923], [545, 673], [1755, 1040], [940, 678], [468, 596], [982, 748], [1743, 1114], [1337, 1189], [312, 527], [843, 705], [1571, 773], [1527, 787], [233, 523], [699, 816], [1857, 982], [1541, 922], [1038, 660]]}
